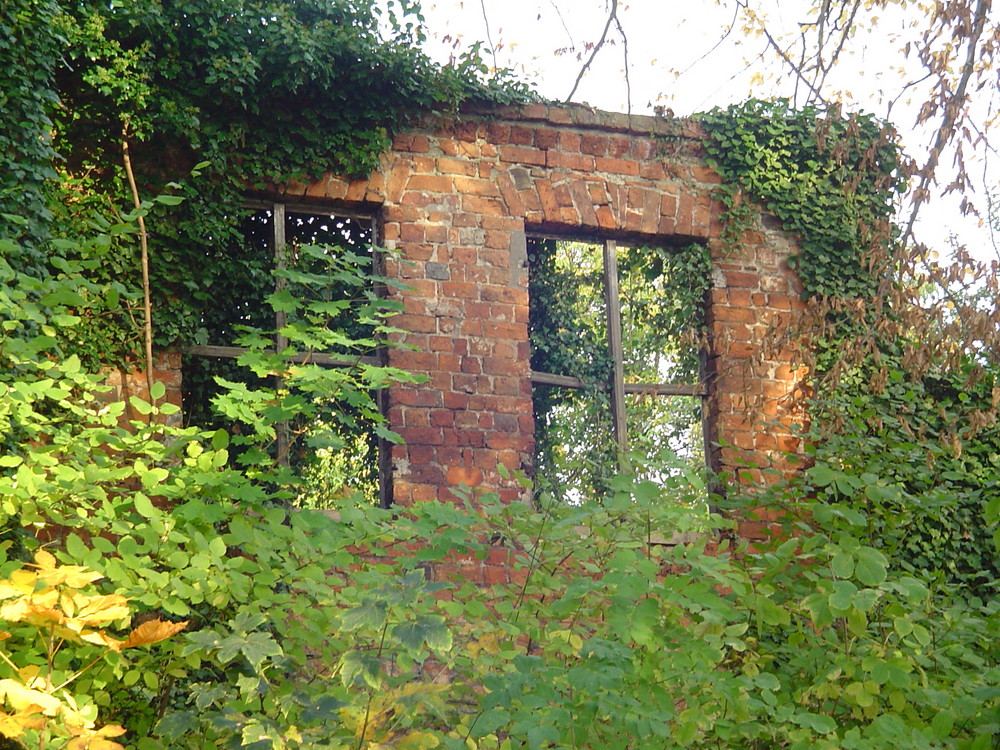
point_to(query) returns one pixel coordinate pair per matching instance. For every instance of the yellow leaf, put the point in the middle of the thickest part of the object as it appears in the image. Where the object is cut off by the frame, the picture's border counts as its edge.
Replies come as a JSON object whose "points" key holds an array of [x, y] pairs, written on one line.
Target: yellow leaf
{"points": [[153, 631], [29, 674], [100, 638], [21, 698], [21, 582], [91, 739], [102, 609], [13, 725], [45, 560], [37, 609], [418, 741]]}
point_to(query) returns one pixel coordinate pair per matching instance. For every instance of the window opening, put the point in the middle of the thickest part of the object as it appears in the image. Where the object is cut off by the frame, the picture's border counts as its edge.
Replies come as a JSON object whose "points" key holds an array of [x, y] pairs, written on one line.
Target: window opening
{"points": [[340, 450], [616, 363]]}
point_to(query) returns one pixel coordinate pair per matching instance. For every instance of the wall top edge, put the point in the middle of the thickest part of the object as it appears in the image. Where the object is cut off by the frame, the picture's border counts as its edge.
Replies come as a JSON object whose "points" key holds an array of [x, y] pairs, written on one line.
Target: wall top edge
{"points": [[583, 117]]}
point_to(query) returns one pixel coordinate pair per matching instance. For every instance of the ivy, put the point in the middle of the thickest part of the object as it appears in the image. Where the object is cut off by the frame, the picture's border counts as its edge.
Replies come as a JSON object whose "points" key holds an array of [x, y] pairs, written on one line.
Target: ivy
{"points": [[831, 181], [29, 54], [252, 92]]}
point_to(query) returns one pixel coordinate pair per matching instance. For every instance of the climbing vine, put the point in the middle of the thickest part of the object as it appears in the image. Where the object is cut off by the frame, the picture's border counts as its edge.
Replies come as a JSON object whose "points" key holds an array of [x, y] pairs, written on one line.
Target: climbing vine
{"points": [[831, 180], [251, 92]]}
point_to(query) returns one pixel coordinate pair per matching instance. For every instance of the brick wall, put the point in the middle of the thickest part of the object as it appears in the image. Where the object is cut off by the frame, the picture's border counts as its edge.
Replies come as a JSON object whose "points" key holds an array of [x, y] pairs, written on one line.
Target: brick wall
{"points": [[127, 382], [456, 199]]}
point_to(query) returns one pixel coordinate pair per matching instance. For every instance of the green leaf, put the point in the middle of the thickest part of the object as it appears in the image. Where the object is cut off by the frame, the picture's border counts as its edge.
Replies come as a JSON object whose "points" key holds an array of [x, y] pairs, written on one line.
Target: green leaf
{"points": [[410, 635], [870, 566], [842, 565], [143, 506], [769, 612], [257, 647], [143, 407], [371, 614], [437, 634], [820, 723]]}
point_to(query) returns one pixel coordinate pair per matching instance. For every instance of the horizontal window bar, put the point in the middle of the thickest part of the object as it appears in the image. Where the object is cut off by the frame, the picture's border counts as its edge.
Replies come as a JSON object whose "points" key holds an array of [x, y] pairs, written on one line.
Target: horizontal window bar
{"points": [[232, 352], [651, 389]]}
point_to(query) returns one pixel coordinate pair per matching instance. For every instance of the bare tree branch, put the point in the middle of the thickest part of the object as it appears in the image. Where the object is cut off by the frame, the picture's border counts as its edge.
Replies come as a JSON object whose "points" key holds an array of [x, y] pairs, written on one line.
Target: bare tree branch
{"points": [[628, 82], [952, 110], [489, 36], [612, 17], [144, 245]]}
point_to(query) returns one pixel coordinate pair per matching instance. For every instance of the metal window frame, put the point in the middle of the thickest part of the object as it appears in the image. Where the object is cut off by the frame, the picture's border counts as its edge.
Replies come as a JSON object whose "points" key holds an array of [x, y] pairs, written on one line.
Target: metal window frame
{"points": [[618, 389], [279, 211]]}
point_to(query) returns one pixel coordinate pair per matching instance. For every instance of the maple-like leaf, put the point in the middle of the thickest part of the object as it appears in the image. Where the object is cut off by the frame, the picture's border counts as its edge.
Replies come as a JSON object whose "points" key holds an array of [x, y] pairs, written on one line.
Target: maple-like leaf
{"points": [[74, 576], [95, 739], [98, 610], [14, 725], [37, 609], [100, 638], [152, 631], [21, 582]]}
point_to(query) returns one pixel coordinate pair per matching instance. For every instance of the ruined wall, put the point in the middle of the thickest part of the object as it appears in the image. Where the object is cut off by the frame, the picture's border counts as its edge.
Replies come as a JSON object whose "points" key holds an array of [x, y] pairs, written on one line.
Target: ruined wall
{"points": [[456, 199]]}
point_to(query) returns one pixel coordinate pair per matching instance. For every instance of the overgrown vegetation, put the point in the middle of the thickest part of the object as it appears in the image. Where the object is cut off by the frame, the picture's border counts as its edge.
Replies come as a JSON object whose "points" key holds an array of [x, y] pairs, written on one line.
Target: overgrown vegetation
{"points": [[856, 630], [831, 180]]}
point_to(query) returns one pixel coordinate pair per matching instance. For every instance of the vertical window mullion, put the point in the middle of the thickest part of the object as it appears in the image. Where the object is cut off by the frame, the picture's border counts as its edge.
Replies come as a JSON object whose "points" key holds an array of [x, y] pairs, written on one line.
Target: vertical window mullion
{"points": [[280, 318], [615, 349]]}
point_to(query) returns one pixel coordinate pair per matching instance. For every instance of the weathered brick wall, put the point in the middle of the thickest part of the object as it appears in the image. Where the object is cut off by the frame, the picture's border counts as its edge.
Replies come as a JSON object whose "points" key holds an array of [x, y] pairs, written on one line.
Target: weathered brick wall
{"points": [[127, 382], [456, 199]]}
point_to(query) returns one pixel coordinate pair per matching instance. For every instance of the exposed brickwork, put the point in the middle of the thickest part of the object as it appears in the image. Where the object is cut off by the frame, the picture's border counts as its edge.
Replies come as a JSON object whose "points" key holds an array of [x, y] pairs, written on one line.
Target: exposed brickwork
{"points": [[456, 198], [128, 382]]}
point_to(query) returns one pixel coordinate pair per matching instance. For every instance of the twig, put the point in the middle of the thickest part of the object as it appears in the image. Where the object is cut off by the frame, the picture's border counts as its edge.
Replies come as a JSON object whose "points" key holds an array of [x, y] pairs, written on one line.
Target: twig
{"points": [[951, 111], [612, 17], [628, 83], [144, 245], [489, 37]]}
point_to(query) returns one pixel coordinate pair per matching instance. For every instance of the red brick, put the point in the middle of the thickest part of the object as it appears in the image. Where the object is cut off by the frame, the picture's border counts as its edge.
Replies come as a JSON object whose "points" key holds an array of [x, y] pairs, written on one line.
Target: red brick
{"points": [[578, 162], [737, 314], [595, 145], [546, 138], [476, 186], [618, 166], [422, 436], [742, 279], [456, 167], [476, 204], [521, 155], [569, 142], [704, 174], [464, 475], [495, 575], [521, 136], [430, 183]]}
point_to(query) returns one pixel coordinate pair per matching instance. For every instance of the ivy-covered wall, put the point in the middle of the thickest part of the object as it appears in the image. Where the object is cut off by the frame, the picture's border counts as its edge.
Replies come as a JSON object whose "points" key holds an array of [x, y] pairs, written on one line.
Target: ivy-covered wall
{"points": [[457, 197]]}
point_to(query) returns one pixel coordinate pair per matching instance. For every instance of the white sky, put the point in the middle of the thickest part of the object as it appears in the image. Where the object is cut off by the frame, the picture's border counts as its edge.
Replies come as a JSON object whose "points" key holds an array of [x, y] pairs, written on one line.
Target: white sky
{"points": [[679, 59]]}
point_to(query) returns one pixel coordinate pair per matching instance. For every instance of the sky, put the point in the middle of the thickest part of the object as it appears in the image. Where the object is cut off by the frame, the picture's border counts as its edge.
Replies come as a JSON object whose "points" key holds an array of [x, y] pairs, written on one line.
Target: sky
{"points": [[691, 55]]}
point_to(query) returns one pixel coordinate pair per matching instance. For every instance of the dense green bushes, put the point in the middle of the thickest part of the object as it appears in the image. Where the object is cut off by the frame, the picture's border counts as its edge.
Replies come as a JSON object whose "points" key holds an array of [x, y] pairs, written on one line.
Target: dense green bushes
{"points": [[311, 629]]}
